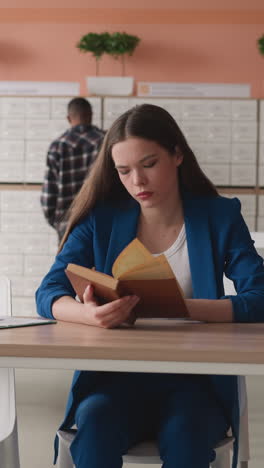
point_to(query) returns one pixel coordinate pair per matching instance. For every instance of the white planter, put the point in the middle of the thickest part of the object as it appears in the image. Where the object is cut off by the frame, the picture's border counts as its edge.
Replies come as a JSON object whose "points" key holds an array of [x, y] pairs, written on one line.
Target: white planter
{"points": [[110, 85]]}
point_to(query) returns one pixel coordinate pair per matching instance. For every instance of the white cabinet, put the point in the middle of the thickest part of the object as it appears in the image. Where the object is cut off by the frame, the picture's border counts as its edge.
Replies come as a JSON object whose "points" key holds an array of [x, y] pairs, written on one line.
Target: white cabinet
{"points": [[13, 107], [261, 213], [224, 131], [243, 175], [37, 108], [226, 135], [12, 150], [27, 245], [244, 131], [218, 173], [244, 109], [221, 132], [12, 129], [27, 127]]}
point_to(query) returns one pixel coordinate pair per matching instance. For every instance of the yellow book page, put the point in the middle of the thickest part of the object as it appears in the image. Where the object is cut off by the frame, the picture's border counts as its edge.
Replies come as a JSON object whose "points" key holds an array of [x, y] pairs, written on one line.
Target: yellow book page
{"points": [[134, 254], [158, 268]]}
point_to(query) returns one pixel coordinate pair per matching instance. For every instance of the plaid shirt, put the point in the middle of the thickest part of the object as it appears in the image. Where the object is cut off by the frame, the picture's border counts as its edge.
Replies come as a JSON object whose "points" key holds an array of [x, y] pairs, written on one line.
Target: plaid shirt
{"points": [[68, 162]]}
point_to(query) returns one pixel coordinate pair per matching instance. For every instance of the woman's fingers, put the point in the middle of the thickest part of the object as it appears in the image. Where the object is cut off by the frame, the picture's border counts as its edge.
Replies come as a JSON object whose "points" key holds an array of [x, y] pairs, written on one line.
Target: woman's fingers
{"points": [[107, 315], [123, 304], [114, 313], [88, 294]]}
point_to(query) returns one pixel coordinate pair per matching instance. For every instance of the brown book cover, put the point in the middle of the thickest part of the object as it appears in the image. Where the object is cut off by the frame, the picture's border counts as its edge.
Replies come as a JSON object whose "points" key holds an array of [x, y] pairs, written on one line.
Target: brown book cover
{"points": [[135, 271]]}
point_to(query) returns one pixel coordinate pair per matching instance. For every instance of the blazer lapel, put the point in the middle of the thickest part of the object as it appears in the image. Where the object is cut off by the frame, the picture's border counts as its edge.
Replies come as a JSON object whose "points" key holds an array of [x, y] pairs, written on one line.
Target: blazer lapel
{"points": [[200, 248], [199, 242]]}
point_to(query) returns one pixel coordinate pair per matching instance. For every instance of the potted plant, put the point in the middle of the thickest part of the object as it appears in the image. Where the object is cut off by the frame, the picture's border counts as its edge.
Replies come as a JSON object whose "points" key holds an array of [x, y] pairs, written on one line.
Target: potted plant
{"points": [[118, 45], [260, 43], [121, 45], [94, 43]]}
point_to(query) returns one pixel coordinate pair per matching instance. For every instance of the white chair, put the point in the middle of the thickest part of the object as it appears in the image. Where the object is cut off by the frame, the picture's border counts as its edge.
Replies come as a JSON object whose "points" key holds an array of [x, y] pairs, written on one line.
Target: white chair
{"points": [[146, 453], [9, 454]]}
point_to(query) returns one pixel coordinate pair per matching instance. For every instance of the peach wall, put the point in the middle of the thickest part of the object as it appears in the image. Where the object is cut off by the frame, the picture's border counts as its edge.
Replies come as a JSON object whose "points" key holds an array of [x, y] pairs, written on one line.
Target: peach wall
{"points": [[188, 45]]}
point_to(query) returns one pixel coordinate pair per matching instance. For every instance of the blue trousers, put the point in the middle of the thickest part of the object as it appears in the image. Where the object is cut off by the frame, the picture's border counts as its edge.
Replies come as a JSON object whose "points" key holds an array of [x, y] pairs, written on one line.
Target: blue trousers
{"points": [[179, 411]]}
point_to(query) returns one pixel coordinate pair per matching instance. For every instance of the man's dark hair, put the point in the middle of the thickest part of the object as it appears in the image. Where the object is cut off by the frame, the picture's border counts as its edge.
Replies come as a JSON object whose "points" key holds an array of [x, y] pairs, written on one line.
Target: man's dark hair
{"points": [[80, 107]]}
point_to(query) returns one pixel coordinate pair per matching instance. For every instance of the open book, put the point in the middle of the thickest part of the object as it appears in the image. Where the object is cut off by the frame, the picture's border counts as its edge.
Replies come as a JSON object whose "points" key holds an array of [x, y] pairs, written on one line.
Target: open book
{"points": [[135, 271]]}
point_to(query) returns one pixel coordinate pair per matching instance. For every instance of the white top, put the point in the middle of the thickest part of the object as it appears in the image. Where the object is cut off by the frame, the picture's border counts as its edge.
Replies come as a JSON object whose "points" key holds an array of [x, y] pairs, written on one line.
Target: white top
{"points": [[178, 258]]}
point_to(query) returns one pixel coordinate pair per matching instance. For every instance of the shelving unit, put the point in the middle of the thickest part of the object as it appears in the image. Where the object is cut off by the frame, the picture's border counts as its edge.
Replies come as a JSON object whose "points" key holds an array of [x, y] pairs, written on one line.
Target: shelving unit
{"points": [[27, 243], [227, 136]]}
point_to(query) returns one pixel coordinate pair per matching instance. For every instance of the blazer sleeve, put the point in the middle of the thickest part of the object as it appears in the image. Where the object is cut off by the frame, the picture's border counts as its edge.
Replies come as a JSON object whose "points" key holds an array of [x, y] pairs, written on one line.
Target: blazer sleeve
{"points": [[77, 249], [245, 268]]}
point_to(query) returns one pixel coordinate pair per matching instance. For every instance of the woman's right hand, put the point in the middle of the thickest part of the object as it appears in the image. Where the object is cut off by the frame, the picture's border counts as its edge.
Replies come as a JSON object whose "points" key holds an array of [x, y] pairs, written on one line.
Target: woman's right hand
{"points": [[108, 315]]}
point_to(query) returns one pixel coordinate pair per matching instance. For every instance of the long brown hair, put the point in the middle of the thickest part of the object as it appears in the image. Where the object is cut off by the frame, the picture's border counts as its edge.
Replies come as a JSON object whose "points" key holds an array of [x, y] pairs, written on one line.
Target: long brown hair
{"points": [[149, 122]]}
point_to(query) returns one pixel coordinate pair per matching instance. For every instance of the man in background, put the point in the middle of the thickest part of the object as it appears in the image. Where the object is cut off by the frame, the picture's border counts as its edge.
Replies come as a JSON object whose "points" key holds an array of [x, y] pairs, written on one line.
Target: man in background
{"points": [[68, 163]]}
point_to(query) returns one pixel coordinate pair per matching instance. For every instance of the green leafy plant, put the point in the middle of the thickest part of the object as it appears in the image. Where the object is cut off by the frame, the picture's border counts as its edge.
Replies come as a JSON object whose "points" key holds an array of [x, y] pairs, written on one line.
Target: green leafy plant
{"points": [[260, 43], [94, 43], [120, 45]]}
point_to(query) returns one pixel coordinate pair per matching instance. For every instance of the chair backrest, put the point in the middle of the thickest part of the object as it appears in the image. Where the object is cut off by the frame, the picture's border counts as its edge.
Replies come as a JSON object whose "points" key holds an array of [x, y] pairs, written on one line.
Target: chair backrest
{"points": [[5, 296], [7, 389]]}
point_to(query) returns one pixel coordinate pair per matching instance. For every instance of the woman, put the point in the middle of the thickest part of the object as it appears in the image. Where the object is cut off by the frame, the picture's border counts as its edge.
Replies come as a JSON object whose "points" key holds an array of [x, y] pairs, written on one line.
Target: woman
{"points": [[146, 183]]}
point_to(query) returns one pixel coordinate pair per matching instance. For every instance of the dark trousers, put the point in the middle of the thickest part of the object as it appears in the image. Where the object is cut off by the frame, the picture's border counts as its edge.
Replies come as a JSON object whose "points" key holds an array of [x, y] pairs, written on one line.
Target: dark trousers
{"points": [[179, 411]]}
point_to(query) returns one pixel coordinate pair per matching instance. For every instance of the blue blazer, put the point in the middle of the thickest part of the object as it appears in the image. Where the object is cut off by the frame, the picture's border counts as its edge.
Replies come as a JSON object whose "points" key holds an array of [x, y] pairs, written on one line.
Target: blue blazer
{"points": [[217, 238]]}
